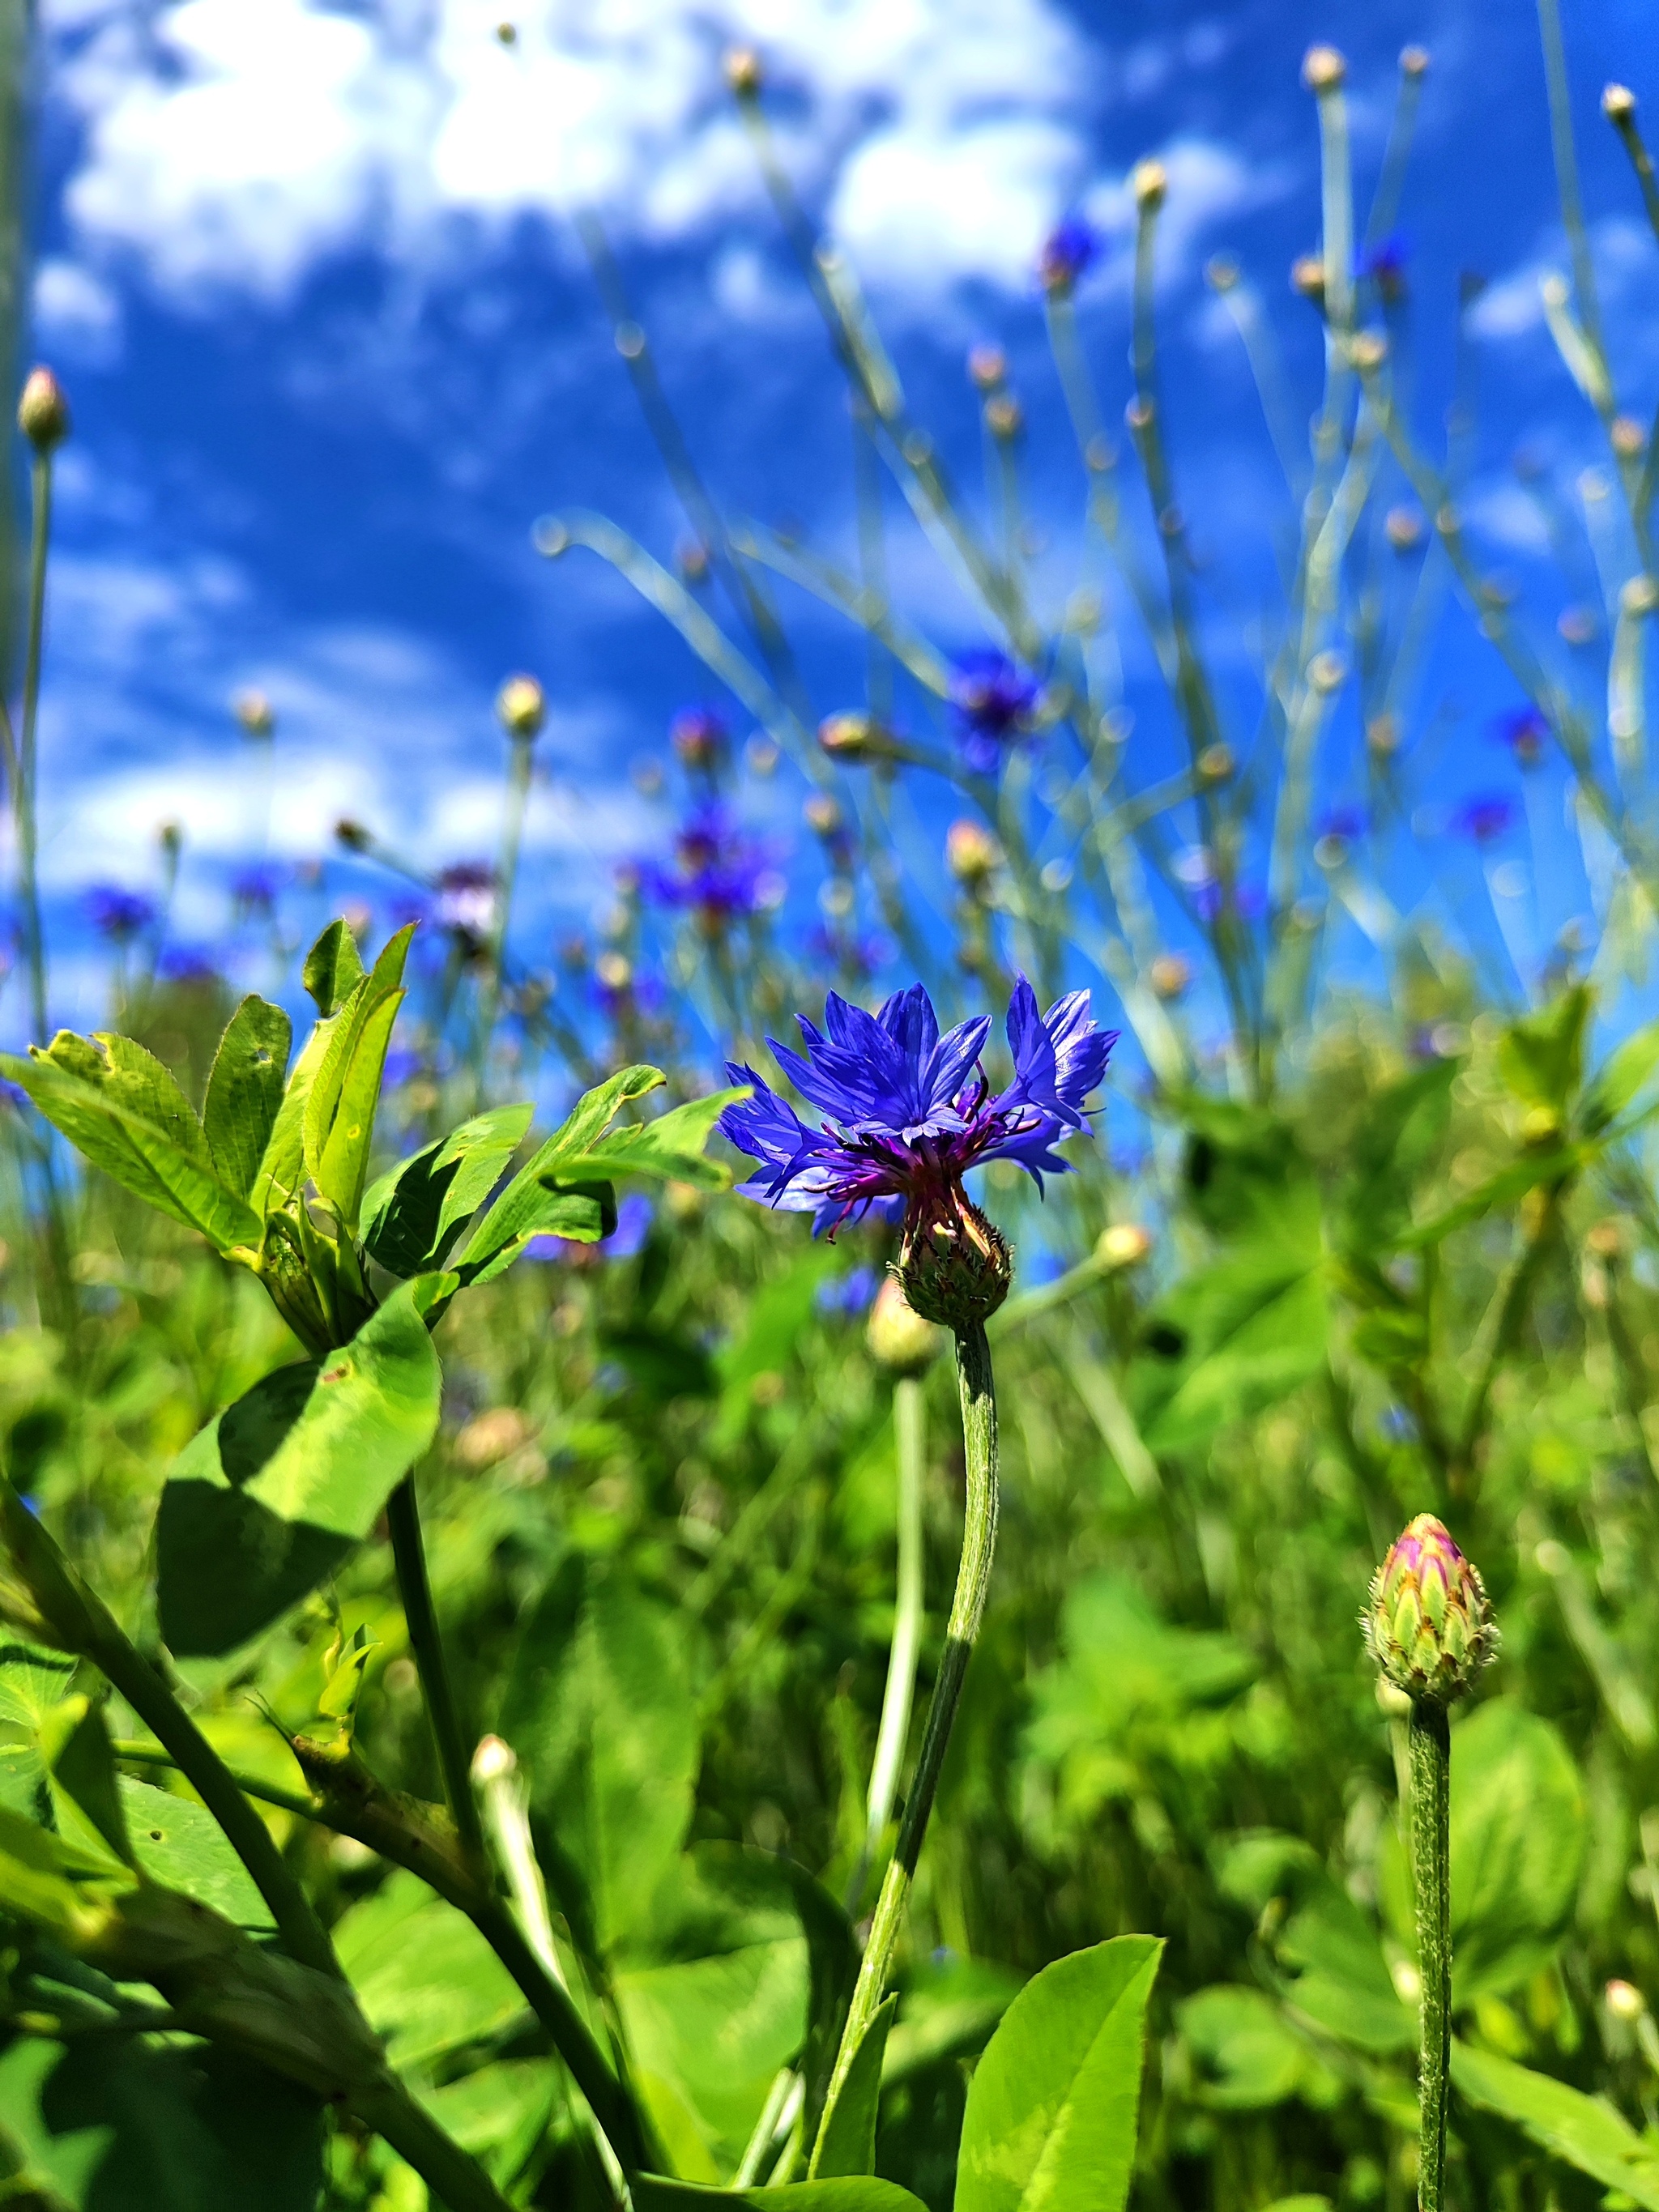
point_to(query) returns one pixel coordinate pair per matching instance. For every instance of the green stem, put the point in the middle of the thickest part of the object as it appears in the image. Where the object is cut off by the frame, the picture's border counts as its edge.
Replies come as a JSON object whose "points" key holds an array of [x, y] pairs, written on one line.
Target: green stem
{"points": [[455, 2178], [979, 1535], [402, 1515], [518, 801], [28, 840], [910, 1440], [1430, 1764]]}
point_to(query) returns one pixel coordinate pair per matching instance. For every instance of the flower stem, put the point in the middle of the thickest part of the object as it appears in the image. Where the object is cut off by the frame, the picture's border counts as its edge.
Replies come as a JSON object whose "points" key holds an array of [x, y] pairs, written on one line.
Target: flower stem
{"points": [[454, 2177], [1430, 1764], [979, 1533], [910, 1438], [415, 1587], [518, 802]]}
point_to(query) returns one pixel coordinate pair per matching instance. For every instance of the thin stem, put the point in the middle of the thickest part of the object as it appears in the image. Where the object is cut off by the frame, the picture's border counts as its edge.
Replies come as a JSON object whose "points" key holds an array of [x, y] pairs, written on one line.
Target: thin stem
{"points": [[1566, 168], [517, 800], [454, 2177], [910, 1440], [402, 1515], [979, 1535], [28, 839], [1430, 1764]]}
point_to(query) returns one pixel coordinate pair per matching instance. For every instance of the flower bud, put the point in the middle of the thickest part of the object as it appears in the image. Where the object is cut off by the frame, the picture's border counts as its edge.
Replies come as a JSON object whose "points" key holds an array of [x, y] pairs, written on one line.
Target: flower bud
{"points": [[849, 737], [1124, 1245], [1150, 183], [744, 73], [822, 814], [43, 414], [987, 367], [1221, 273], [493, 1761], [1618, 103], [1004, 418], [954, 1266], [1215, 763], [1640, 596], [352, 834], [1626, 437], [699, 736], [1414, 62], [521, 706], [1427, 1623], [1170, 975], [1323, 69], [1307, 277], [255, 712], [899, 1339], [1403, 528], [1624, 2000], [971, 852]]}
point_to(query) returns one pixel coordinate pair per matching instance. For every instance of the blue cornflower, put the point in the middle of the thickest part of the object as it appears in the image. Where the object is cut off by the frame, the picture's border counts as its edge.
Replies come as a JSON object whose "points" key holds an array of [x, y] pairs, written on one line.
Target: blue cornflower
{"points": [[1485, 819], [1525, 731], [466, 898], [1069, 249], [119, 915], [188, 963], [1385, 262], [991, 702], [911, 1111], [844, 1297], [254, 890], [719, 871]]}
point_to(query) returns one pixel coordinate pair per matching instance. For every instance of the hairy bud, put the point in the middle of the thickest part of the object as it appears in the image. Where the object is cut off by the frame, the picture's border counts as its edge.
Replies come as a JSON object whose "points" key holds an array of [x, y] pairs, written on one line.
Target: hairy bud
{"points": [[1427, 1623], [43, 414], [521, 706], [954, 1266], [899, 1339]]}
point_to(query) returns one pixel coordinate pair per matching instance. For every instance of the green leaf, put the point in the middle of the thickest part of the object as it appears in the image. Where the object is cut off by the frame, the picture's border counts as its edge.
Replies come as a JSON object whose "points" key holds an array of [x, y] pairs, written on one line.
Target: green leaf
{"points": [[1242, 1162], [276, 1493], [499, 2113], [31, 1681], [338, 1127], [1235, 1338], [1400, 1134], [1503, 1188], [333, 969], [1340, 1979], [85, 1790], [1541, 1056], [119, 1106], [1246, 2055], [1619, 1080], [413, 1214], [859, 2193], [426, 1978], [120, 2124], [1584, 2131], [601, 1709], [671, 1147], [178, 1843], [848, 2141], [529, 1207], [1052, 2106], [245, 1091]]}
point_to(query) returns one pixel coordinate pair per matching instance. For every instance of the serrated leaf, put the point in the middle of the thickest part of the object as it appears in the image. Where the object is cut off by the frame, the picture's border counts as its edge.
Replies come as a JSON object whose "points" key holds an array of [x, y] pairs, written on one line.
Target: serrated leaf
{"points": [[522, 1211], [333, 969], [412, 1215], [119, 1106], [672, 1146], [245, 1091], [277, 1490], [339, 1109], [1052, 2106]]}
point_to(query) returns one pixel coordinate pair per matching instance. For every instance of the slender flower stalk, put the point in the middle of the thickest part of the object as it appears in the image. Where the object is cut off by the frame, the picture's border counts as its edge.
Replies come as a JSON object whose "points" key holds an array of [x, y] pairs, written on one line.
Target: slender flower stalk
{"points": [[1429, 1627], [910, 1440]]}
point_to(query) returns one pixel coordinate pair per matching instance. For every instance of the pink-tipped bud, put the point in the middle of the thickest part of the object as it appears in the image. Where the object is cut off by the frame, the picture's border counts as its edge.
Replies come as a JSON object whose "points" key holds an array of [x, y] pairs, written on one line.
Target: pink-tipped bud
{"points": [[1618, 103], [43, 414], [521, 706], [1427, 1622]]}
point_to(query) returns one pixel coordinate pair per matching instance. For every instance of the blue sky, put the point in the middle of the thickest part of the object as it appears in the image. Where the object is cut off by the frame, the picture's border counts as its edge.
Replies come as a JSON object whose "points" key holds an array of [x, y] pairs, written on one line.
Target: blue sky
{"points": [[311, 275]]}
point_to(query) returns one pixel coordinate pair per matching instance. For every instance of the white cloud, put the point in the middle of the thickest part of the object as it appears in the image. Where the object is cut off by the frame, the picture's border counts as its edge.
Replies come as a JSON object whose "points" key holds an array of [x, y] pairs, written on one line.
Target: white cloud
{"points": [[1208, 181], [1502, 511], [75, 313], [240, 141], [1622, 251]]}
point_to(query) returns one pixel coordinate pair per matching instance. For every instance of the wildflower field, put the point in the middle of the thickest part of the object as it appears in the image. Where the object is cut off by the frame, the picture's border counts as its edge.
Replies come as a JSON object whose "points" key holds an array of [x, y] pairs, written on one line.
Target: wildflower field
{"points": [[848, 1545]]}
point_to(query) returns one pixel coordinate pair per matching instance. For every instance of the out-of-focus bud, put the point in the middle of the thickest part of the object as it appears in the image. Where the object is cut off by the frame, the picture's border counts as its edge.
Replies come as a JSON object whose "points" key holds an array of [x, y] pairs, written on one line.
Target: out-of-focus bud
{"points": [[352, 834], [761, 756], [1169, 974], [699, 736], [1004, 418], [848, 735], [1427, 1622], [493, 1761], [1221, 273], [615, 970], [987, 367], [971, 852], [1606, 1240], [1403, 528], [1215, 763], [255, 712], [691, 558], [1414, 62], [1327, 672], [744, 73], [955, 1264], [1624, 2000], [1640, 596], [1626, 437], [1323, 69], [899, 1339], [521, 706], [822, 814], [1149, 181], [1124, 1245], [508, 34], [1382, 735], [1577, 625], [1618, 103], [170, 836], [1307, 277], [43, 414], [1368, 350]]}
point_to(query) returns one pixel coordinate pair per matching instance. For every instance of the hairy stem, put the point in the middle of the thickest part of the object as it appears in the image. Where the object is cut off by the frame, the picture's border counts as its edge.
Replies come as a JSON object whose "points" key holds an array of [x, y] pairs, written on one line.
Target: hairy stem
{"points": [[979, 1534], [415, 1587], [910, 1439], [1430, 1764]]}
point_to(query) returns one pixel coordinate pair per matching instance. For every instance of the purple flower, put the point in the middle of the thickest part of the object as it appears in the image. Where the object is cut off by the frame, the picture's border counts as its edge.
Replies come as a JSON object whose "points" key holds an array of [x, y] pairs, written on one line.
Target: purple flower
{"points": [[991, 702], [1385, 263], [13, 1093], [254, 890], [1069, 249], [119, 915], [844, 1297], [466, 898], [859, 953], [720, 871], [635, 1214], [1525, 731], [1347, 822], [1486, 819], [911, 1110], [188, 963]]}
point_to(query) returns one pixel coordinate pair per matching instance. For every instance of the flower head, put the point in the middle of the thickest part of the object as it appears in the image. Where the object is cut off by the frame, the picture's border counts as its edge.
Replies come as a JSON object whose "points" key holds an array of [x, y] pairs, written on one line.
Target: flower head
{"points": [[1427, 1623], [719, 871], [117, 914], [1069, 249], [1486, 819], [991, 702], [254, 890], [189, 965], [1525, 731], [466, 898], [1385, 264], [908, 1112]]}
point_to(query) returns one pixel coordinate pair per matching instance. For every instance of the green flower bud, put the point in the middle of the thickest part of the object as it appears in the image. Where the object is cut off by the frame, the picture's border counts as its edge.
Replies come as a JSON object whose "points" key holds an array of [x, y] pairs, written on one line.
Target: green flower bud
{"points": [[521, 706], [955, 1267], [1427, 1623], [43, 414], [899, 1339]]}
